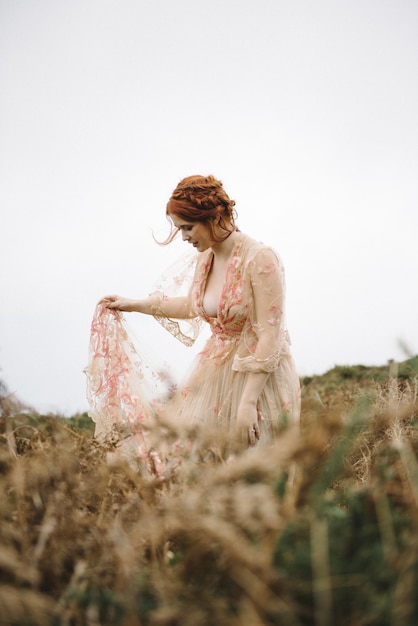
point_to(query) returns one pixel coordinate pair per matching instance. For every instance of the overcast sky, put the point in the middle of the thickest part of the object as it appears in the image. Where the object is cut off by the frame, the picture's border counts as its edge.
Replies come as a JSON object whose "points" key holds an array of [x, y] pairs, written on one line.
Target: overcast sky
{"points": [[306, 110]]}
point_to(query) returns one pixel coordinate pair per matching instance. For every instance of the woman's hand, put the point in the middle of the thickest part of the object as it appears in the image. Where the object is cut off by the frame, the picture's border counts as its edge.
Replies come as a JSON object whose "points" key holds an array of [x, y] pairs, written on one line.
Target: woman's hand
{"points": [[248, 429], [117, 303]]}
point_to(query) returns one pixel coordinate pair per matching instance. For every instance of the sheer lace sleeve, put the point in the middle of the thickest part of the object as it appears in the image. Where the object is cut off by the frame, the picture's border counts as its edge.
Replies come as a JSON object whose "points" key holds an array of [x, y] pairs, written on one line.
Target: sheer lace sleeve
{"points": [[174, 282], [266, 338]]}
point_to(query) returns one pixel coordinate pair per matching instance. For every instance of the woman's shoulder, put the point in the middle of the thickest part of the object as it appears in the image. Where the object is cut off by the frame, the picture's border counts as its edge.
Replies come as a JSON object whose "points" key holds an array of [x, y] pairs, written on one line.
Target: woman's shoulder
{"points": [[252, 247]]}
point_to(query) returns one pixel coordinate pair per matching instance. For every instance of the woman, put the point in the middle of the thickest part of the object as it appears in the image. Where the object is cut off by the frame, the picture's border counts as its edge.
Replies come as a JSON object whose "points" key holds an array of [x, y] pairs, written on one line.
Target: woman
{"points": [[244, 381]]}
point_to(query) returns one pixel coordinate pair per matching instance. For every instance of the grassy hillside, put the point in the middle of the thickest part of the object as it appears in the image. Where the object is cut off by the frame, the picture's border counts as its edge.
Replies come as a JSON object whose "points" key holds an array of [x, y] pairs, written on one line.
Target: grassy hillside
{"points": [[320, 530]]}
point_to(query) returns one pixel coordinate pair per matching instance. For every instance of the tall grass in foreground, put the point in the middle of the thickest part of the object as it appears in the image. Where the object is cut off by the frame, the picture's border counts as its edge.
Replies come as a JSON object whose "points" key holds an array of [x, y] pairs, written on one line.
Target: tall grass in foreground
{"points": [[320, 530]]}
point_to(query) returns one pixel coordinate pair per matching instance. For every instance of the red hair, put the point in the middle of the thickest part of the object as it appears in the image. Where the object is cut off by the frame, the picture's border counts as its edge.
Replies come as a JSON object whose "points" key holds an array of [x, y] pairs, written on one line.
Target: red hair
{"points": [[201, 199]]}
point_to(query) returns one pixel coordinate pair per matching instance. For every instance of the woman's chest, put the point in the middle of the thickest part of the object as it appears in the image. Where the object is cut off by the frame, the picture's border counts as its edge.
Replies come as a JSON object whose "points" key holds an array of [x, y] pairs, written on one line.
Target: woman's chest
{"points": [[221, 289], [214, 287]]}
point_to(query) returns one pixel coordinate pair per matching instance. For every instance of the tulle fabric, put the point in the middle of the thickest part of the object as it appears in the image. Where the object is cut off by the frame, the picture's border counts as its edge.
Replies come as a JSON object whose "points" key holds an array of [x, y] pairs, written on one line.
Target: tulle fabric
{"points": [[247, 335], [211, 396], [124, 390]]}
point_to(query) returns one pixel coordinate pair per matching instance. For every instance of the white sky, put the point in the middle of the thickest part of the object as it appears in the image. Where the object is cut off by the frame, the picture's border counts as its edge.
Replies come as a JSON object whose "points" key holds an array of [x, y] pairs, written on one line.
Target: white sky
{"points": [[306, 110]]}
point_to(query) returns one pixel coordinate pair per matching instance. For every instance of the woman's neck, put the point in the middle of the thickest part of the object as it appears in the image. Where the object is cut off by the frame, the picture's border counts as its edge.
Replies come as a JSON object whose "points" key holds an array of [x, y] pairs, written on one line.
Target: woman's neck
{"points": [[222, 250]]}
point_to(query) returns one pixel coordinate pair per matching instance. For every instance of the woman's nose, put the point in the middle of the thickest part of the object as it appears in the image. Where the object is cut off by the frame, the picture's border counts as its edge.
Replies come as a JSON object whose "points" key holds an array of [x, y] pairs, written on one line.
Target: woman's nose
{"points": [[184, 236]]}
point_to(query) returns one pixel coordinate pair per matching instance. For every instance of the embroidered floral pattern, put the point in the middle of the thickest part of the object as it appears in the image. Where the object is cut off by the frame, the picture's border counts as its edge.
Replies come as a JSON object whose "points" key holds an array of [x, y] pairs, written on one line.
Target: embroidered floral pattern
{"points": [[123, 391], [248, 335]]}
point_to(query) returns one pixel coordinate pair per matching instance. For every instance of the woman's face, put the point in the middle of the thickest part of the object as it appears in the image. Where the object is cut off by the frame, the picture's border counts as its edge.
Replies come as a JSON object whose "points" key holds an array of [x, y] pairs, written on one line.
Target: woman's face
{"points": [[196, 233]]}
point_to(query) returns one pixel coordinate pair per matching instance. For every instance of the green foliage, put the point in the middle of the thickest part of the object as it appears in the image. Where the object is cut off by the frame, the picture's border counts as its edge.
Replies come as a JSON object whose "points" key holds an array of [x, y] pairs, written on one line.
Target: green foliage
{"points": [[81, 422], [363, 376], [319, 530], [408, 369]]}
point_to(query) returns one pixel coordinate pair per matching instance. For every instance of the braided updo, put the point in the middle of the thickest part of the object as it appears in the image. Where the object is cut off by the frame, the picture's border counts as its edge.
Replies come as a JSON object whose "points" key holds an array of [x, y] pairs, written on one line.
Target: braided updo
{"points": [[202, 199]]}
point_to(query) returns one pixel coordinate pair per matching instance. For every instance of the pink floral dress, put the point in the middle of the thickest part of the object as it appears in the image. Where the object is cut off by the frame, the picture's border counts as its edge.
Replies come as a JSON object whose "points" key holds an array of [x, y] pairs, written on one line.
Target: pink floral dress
{"points": [[248, 334]]}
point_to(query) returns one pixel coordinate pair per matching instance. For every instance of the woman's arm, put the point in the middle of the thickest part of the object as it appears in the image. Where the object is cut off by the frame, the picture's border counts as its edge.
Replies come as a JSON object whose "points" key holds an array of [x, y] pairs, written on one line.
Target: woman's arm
{"points": [[268, 292], [155, 304], [247, 414]]}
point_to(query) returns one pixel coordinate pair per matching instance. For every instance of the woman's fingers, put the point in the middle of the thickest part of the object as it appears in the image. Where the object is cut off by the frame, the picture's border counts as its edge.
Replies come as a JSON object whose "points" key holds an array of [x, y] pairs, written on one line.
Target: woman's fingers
{"points": [[109, 301], [253, 434]]}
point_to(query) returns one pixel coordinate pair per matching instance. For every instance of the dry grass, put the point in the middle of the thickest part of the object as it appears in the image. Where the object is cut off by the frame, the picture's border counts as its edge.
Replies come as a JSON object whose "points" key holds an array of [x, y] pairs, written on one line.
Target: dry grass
{"points": [[321, 529]]}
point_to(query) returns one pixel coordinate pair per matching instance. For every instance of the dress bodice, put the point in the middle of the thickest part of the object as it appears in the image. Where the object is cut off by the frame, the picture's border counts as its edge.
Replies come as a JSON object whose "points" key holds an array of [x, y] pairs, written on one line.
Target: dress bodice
{"points": [[249, 325], [231, 313]]}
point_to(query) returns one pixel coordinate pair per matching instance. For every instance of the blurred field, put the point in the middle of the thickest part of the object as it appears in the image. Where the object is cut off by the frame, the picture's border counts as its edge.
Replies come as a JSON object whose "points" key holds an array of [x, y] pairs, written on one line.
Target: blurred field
{"points": [[320, 530]]}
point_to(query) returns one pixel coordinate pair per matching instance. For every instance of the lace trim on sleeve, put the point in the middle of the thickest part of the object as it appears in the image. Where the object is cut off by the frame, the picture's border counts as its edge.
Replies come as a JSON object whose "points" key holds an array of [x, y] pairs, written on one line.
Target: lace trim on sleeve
{"points": [[251, 364], [185, 331], [270, 363], [174, 282]]}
